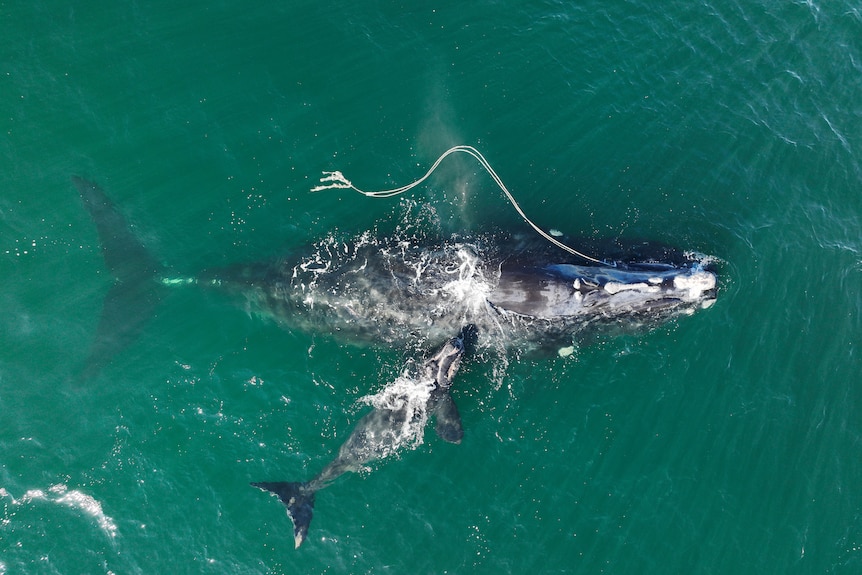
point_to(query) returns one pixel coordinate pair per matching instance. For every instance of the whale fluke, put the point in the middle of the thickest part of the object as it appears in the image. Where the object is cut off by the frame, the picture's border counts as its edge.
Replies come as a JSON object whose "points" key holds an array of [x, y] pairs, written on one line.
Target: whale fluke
{"points": [[132, 300], [299, 500]]}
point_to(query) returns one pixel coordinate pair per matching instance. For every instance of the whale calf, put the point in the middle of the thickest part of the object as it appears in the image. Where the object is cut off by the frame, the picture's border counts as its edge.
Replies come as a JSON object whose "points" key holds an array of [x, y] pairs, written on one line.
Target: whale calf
{"points": [[396, 422]]}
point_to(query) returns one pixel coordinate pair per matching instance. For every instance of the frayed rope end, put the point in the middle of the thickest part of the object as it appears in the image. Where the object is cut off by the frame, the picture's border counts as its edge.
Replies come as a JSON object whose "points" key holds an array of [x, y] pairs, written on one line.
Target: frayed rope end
{"points": [[337, 179]]}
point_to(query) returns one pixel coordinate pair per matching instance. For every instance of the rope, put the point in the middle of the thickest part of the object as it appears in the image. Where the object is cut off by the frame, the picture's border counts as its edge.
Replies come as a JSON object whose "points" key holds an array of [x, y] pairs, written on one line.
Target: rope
{"points": [[336, 180]]}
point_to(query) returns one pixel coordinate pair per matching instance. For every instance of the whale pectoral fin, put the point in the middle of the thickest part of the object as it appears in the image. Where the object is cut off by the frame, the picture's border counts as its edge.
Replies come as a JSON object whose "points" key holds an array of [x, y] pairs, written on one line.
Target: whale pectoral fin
{"points": [[448, 425], [299, 501]]}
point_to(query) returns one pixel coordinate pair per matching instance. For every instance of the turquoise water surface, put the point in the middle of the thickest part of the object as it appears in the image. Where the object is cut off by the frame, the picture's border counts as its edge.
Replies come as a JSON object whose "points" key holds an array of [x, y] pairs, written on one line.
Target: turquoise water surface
{"points": [[726, 442]]}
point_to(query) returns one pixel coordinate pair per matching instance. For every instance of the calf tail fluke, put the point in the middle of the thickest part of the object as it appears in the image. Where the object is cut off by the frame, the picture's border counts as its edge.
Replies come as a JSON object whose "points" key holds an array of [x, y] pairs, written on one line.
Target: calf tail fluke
{"points": [[298, 498]]}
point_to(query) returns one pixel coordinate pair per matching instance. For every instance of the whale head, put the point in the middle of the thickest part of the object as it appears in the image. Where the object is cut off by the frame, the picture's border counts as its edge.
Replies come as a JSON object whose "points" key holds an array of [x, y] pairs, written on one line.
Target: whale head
{"points": [[444, 364]]}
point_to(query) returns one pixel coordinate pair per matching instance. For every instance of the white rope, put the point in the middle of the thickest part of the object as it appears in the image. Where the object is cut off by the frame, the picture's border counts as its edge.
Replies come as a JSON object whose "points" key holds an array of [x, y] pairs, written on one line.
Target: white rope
{"points": [[336, 180]]}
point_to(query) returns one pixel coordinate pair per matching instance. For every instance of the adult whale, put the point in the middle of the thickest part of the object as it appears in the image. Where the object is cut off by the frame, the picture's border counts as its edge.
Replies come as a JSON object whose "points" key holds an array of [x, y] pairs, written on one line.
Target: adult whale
{"points": [[523, 295], [408, 289], [397, 421]]}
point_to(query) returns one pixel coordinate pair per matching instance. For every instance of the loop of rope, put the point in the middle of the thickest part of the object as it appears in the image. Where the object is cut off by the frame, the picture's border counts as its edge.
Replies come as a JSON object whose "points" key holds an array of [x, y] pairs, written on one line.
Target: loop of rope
{"points": [[336, 180]]}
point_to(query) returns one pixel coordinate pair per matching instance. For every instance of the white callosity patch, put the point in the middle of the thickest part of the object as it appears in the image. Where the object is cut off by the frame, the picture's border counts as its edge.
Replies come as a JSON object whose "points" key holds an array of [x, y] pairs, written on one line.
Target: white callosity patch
{"points": [[614, 287], [692, 285], [695, 284]]}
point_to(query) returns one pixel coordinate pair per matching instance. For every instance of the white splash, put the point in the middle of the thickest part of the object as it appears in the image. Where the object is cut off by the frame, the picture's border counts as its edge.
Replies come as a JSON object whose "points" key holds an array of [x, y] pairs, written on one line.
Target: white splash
{"points": [[468, 287], [86, 503], [74, 499], [409, 395]]}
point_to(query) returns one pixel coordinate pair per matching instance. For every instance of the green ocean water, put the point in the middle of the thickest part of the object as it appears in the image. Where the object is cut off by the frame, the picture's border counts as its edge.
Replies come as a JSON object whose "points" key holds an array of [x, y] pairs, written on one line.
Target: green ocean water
{"points": [[725, 442]]}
